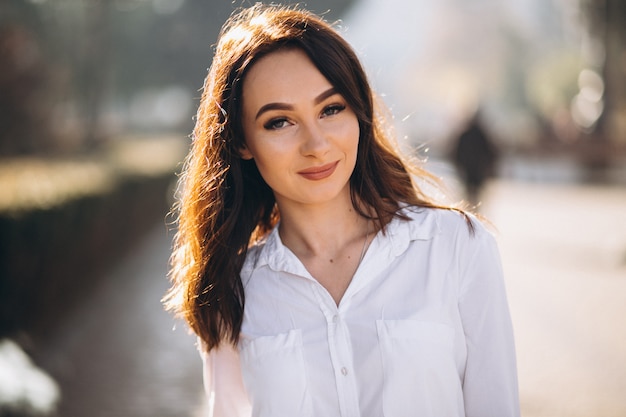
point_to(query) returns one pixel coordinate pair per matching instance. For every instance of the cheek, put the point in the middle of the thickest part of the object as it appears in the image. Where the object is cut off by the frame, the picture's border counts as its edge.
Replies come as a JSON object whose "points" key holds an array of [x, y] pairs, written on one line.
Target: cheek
{"points": [[270, 161], [353, 134], [272, 174]]}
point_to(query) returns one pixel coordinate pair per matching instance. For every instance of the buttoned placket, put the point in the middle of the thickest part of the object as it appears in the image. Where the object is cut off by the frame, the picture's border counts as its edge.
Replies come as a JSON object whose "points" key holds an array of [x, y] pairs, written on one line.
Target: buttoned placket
{"points": [[341, 354]]}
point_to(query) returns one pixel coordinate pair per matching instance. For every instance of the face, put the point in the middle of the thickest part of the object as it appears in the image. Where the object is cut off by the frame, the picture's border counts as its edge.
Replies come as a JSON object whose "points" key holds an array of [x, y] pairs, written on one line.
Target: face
{"points": [[301, 133]]}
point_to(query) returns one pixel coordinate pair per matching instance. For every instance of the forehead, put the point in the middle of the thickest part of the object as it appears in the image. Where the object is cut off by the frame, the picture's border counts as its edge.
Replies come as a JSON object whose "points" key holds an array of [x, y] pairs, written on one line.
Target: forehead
{"points": [[282, 75]]}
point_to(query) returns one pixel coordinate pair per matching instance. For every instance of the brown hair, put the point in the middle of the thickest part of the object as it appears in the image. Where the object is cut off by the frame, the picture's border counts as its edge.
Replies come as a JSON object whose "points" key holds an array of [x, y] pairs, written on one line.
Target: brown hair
{"points": [[224, 204]]}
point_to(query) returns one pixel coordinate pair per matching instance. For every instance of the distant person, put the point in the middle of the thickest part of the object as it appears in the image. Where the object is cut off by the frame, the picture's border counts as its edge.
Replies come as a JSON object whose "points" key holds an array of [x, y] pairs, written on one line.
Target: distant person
{"points": [[320, 279], [475, 156]]}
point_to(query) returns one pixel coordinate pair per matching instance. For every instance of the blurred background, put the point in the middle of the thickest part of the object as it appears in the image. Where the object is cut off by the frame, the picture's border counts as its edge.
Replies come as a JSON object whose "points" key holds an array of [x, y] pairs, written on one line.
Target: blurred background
{"points": [[518, 105]]}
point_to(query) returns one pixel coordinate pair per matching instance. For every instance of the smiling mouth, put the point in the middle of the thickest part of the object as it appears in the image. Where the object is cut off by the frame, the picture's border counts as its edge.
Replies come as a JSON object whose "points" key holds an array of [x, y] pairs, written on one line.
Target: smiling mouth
{"points": [[320, 172]]}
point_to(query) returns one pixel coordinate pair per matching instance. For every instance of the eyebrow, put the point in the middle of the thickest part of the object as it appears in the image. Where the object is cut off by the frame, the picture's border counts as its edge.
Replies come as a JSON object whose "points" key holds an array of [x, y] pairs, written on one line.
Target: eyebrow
{"points": [[284, 106]]}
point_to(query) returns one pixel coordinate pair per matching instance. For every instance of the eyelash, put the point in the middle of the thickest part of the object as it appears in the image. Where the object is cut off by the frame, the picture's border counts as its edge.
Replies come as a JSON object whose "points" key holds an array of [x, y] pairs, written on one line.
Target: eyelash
{"points": [[330, 110], [273, 124], [334, 109]]}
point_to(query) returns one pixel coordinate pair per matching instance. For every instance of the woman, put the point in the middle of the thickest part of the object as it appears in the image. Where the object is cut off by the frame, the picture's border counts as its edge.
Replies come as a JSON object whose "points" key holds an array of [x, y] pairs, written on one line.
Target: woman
{"points": [[320, 280]]}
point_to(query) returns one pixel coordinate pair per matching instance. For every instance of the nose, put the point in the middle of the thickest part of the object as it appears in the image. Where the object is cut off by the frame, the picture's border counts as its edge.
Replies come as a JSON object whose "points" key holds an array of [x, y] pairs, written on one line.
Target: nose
{"points": [[315, 140]]}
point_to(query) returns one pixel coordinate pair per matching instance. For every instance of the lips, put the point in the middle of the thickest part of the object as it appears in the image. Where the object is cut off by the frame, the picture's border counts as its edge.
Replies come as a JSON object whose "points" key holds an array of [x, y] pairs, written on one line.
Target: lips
{"points": [[320, 172]]}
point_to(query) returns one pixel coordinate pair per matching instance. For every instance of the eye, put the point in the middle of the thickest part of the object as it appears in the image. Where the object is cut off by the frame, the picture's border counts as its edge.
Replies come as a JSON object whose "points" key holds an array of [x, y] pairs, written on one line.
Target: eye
{"points": [[333, 109], [275, 124]]}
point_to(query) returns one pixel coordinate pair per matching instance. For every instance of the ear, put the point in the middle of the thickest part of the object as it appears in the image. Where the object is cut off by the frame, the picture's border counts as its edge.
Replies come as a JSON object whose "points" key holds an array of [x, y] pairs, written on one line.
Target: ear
{"points": [[245, 153]]}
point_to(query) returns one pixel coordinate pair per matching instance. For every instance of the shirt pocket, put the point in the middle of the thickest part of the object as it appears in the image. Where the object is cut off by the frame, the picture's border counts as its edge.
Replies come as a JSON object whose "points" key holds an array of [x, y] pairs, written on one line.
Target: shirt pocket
{"points": [[420, 377], [274, 374]]}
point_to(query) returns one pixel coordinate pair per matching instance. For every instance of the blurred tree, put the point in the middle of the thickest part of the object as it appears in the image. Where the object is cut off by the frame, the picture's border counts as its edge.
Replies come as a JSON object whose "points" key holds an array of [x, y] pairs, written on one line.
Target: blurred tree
{"points": [[606, 53], [70, 70], [600, 106], [94, 68], [24, 111]]}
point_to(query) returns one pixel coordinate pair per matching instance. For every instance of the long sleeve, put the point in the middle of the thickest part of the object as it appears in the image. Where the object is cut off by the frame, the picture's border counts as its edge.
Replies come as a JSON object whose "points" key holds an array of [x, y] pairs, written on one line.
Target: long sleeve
{"points": [[490, 386], [223, 383]]}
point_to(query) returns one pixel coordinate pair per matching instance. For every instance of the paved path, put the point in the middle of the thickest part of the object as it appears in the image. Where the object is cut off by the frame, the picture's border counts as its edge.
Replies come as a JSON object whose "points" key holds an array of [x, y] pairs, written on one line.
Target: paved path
{"points": [[120, 353], [564, 254]]}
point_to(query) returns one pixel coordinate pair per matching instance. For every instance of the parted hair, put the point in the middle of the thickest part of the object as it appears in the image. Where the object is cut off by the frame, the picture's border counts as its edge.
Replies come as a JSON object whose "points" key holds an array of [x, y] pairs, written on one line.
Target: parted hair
{"points": [[223, 204]]}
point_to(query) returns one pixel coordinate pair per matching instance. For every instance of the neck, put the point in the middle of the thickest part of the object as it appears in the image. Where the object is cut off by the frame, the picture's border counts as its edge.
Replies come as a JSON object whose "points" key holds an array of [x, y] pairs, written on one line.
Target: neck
{"points": [[324, 230]]}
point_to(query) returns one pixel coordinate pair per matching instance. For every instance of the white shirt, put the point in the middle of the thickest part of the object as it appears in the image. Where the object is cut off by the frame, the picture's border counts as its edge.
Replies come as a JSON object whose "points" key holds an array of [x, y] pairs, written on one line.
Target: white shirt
{"points": [[422, 330]]}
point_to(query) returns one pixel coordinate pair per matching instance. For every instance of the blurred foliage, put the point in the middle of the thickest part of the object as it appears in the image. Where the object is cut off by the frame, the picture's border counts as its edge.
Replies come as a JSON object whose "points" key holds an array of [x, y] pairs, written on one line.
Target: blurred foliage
{"points": [[32, 183], [71, 70], [64, 219]]}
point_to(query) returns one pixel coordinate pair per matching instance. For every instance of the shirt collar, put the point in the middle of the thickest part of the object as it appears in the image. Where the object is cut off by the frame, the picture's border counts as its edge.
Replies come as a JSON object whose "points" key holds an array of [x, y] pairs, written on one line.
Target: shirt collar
{"points": [[273, 253], [423, 224]]}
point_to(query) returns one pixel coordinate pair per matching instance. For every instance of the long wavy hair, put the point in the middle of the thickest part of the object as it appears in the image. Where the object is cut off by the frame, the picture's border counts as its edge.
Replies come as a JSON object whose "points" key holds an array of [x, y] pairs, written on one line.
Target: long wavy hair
{"points": [[224, 205]]}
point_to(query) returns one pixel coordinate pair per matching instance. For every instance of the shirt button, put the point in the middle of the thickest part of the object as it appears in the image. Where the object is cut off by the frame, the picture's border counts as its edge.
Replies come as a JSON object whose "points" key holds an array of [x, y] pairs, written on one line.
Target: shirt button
{"points": [[344, 371], [335, 318]]}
